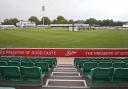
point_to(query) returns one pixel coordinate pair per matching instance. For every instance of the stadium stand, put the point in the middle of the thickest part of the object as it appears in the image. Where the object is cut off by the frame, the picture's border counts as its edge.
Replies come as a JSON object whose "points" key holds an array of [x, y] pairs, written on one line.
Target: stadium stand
{"points": [[17, 71], [104, 72]]}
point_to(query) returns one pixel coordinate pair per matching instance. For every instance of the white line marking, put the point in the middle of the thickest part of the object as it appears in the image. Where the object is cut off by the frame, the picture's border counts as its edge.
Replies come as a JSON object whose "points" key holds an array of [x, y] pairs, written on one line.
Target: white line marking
{"points": [[85, 85], [72, 87], [65, 64], [65, 80], [66, 68], [66, 76], [65, 71]]}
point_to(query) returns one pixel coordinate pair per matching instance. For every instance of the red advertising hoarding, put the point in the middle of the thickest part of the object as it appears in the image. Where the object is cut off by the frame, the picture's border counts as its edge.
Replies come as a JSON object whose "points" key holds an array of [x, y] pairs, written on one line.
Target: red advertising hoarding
{"points": [[63, 52]]}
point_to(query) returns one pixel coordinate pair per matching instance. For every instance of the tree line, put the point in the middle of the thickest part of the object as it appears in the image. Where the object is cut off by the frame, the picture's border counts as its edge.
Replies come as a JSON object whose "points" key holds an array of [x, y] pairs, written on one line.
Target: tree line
{"points": [[63, 20]]}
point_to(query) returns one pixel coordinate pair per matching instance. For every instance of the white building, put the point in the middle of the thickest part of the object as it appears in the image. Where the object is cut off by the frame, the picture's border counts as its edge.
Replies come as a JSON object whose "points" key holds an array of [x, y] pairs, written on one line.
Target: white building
{"points": [[7, 26], [77, 27], [25, 24], [125, 25]]}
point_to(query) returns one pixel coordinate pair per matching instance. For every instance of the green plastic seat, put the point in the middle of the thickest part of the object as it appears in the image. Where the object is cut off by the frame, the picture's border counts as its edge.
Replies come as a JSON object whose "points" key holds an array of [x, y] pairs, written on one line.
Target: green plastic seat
{"points": [[120, 75], [101, 75], [116, 60], [10, 73], [50, 63], [54, 61], [105, 64], [81, 63], [105, 60], [27, 64], [3, 63], [44, 66], [14, 64], [119, 65], [88, 66], [95, 60], [15, 60], [31, 74], [76, 61], [1, 75]]}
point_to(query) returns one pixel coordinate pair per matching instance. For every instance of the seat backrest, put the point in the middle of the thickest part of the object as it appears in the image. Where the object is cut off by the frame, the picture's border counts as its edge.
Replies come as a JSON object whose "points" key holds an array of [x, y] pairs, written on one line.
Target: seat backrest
{"points": [[27, 64], [50, 63], [11, 73], [105, 64], [88, 66], [14, 63], [120, 75], [119, 65], [81, 63], [3, 63], [54, 61], [32, 74], [101, 75], [76, 61], [43, 65], [1, 74]]}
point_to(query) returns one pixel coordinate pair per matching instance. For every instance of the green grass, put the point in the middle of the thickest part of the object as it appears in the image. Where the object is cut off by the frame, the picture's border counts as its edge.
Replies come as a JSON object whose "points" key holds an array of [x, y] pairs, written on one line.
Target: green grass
{"points": [[35, 38]]}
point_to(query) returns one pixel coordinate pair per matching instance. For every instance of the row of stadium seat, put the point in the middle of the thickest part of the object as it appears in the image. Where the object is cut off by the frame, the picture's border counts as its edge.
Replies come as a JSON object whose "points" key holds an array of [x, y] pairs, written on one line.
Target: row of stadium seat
{"points": [[27, 61], [80, 61], [43, 65], [102, 71], [86, 68], [25, 69], [109, 75], [11, 59], [13, 73], [104, 64], [27, 64]]}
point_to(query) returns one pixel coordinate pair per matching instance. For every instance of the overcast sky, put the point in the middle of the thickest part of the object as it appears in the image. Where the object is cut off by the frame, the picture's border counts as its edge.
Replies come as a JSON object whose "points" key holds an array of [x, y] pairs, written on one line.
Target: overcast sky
{"points": [[74, 9]]}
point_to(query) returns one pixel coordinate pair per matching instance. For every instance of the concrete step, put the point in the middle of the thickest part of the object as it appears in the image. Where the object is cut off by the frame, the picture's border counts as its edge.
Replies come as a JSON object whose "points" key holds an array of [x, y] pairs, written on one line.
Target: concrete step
{"points": [[64, 71], [66, 83], [65, 64], [63, 68], [67, 78], [68, 74]]}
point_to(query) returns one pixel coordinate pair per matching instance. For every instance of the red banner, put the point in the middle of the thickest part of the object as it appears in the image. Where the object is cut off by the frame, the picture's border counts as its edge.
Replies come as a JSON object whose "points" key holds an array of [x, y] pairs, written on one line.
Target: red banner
{"points": [[62, 52]]}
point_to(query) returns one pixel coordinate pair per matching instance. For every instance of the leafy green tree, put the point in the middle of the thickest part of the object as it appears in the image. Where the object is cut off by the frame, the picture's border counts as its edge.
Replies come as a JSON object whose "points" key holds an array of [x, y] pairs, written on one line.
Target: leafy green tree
{"points": [[11, 21], [47, 21], [54, 21], [80, 21], [107, 22], [119, 23], [62, 20], [34, 19], [71, 21], [91, 21]]}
